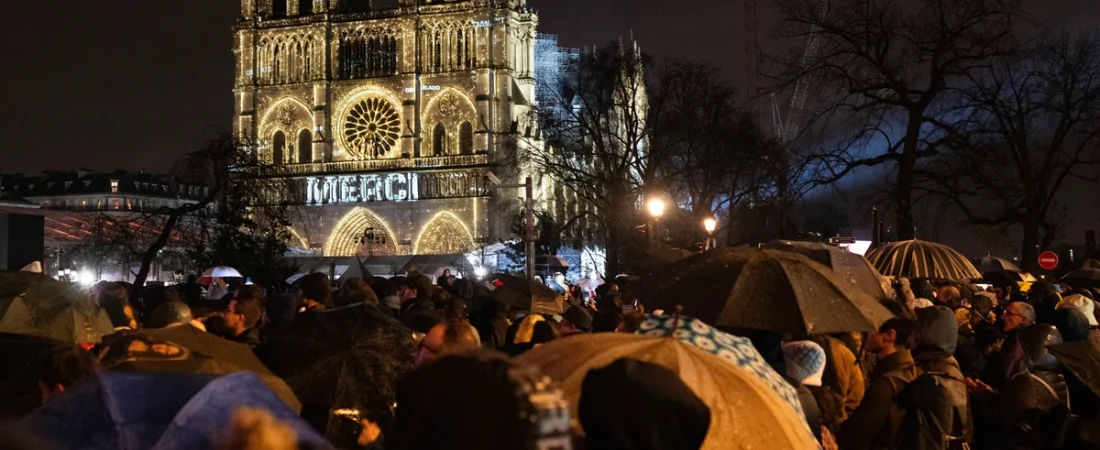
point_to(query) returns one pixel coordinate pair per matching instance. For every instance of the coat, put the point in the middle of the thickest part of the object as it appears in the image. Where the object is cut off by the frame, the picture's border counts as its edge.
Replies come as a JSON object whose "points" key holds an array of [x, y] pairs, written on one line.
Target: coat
{"points": [[843, 388], [869, 423]]}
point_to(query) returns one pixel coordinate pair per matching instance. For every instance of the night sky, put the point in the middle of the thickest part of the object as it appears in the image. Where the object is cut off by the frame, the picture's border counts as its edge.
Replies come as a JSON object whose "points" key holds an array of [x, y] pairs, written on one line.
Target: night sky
{"points": [[93, 85]]}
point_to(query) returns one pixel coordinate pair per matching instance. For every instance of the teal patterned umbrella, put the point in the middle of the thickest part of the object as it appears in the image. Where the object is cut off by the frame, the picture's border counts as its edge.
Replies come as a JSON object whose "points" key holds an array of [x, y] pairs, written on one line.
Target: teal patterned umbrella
{"points": [[736, 350]]}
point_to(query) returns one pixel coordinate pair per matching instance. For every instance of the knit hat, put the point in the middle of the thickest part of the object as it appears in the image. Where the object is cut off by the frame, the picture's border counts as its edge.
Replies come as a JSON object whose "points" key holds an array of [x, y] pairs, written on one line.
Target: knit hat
{"points": [[1080, 303], [805, 361]]}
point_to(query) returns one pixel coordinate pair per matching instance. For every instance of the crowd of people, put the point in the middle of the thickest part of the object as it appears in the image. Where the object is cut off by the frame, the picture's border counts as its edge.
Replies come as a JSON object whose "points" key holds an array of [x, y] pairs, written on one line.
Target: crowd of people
{"points": [[958, 366]]}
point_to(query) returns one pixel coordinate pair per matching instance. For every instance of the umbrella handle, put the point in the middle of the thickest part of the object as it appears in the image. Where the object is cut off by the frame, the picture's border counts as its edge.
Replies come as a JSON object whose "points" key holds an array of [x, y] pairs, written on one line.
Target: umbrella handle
{"points": [[676, 319]]}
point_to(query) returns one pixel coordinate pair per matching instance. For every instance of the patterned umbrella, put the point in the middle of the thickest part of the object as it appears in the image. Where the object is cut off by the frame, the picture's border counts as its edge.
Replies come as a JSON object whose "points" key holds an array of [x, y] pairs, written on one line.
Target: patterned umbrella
{"points": [[922, 259], [737, 350]]}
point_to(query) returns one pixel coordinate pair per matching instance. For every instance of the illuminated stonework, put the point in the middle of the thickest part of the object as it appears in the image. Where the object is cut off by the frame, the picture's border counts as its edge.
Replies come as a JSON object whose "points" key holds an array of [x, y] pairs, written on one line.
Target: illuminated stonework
{"points": [[346, 236], [371, 128], [444, 234]]}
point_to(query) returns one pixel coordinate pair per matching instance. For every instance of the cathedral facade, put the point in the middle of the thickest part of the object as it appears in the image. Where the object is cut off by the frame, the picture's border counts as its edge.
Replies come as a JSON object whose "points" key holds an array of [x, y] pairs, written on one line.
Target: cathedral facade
{"points": [[388, 118]]}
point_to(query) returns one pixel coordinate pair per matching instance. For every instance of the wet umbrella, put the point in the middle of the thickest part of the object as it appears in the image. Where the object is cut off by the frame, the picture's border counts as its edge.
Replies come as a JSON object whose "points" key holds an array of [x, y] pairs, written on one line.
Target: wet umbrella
{"points": [[745, 412], [16, 350], [344, 358], [762, 289], [221, 272], [212, 355], [37, 305], [524, 294], [995, 264], [1083, 359], [922, 259], [1083, 278], [551, 261], [736, 350], [850, 267], [125, 411]]}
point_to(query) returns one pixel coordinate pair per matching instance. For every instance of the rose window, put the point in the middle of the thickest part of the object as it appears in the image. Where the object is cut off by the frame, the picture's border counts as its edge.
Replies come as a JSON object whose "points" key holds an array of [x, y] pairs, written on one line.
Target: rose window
{"points": [[371, 128]]}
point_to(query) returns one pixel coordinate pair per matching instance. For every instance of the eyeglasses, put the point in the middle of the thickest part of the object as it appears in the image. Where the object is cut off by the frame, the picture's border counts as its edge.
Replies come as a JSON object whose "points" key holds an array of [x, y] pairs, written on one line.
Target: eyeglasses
{"points": [[1006, 314]]}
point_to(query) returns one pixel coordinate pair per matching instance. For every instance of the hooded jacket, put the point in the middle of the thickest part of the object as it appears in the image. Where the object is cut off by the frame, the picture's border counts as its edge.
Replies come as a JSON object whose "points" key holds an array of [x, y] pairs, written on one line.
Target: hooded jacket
{"points": [[936, 335]]}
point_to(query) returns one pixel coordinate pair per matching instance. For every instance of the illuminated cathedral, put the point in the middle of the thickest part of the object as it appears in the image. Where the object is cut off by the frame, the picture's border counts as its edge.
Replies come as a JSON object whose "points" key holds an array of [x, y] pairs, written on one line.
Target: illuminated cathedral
{"points": [[389, 117]]}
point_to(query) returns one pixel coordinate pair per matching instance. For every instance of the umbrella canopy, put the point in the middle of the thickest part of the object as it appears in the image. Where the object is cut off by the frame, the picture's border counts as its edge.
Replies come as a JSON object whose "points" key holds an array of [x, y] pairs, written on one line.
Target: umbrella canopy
{"points": [[124, 411], [736, 350], [221, 272], [1083, 359], [850, 267], [551, 261], [294, 278], [1091, 264], [348, 357], [762, 289], [995, 264], [16, 350], [1083, 278], [213, 355], [745, 412], [524, 294], [922, 259], [37, 305]]}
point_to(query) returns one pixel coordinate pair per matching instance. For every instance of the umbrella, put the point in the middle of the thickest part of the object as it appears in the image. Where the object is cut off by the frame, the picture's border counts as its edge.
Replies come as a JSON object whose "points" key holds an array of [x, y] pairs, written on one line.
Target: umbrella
{"points": [[995, 264], [1083, 359], [37, 305], [736, 350], [551, 260], [1083, 278], [589, 283], [16, 350], [1091, 264], [524, 294], [745, 412], [125, 411], [348, 357], [294, 278], [922, 259], [214, 355], [850, 267], [762, 289], [221, 272]]}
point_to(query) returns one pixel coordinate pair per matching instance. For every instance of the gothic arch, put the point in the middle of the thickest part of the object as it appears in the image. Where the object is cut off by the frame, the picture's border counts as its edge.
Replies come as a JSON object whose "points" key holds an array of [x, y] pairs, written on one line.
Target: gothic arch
{"points": [[444, 234], [344, 239], [287, 115]]}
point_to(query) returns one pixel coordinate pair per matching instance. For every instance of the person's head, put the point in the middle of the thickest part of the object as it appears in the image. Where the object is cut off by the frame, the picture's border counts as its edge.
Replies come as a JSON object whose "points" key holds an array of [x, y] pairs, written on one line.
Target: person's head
{"points": [[1016, 315], [949, 296], [355, 290], [242, 314], [315, 290], [250, 291], [922, 289], [169, 314], [1081, 303], [440, 299], [451, 336], [891, 337], [636, 404], [60, 368], [191, 278], [805, 362], [935, 333], [544, 332], [446, 273], [416, 286], [576, 319], [114, 299], [1073, 324]]}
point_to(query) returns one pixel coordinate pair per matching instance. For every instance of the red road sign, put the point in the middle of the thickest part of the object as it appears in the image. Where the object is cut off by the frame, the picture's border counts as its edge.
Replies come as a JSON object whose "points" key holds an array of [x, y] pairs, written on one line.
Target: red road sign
{"points": [[1048, 260]]}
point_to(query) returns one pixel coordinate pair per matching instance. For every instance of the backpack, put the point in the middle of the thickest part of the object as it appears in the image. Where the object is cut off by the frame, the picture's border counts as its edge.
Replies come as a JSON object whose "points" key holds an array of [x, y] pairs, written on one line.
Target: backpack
{"points": [[928, 415]]}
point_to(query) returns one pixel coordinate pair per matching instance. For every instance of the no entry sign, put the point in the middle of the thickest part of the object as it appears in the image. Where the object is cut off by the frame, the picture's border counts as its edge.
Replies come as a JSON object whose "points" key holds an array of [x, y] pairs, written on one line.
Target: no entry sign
{"points": [[1048, 260]]}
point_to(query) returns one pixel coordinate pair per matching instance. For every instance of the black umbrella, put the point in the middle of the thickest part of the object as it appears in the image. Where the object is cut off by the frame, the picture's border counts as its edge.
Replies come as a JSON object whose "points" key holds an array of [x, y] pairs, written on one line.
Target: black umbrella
{"points": [[762, 289], [551, 261], [347, 358], [1083, 359], [1083, 278], [37, 305], [16, 350], [211, 355], [849, 267], [524, 294]]}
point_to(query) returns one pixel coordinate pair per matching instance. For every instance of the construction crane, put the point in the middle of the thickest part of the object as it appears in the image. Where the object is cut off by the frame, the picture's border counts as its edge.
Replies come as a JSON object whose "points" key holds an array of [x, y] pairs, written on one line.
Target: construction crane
{"points": [[786, 125]]}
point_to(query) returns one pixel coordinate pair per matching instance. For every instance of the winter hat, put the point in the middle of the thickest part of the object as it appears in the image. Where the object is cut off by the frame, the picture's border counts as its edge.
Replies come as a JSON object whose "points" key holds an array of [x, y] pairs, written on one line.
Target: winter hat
{"points": [[1080, 303], [805, 361]]}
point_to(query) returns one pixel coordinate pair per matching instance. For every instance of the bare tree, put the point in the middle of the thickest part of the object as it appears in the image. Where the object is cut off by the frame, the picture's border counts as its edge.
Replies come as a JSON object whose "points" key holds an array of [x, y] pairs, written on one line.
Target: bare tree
{"points": [[1023, 126], [876, 72]]}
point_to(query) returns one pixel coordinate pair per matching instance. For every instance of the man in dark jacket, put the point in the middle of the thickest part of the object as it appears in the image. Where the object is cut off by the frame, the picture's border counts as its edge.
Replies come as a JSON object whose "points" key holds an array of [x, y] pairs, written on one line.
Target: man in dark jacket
{"points": [[416, 304], [241, 318], [870, 423], [936, 334]]}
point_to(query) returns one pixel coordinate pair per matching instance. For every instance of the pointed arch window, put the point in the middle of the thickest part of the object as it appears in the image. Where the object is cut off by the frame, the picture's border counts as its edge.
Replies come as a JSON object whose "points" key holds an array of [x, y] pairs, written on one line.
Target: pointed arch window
{"points": [[439, 140], [278, 148], [305, 147], [278, 8], [466, 138], [305, 7]]}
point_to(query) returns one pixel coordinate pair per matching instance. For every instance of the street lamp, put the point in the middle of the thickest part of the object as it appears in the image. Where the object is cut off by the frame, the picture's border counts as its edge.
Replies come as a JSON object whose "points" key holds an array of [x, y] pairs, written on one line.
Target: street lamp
{"points": [[656, 207], [710, 225]]}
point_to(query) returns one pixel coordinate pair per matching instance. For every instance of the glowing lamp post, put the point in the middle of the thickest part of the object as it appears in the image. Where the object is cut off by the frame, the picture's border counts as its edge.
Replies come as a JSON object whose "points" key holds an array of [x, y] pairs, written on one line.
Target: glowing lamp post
{"points": [[710, 225], [656, 208]]}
